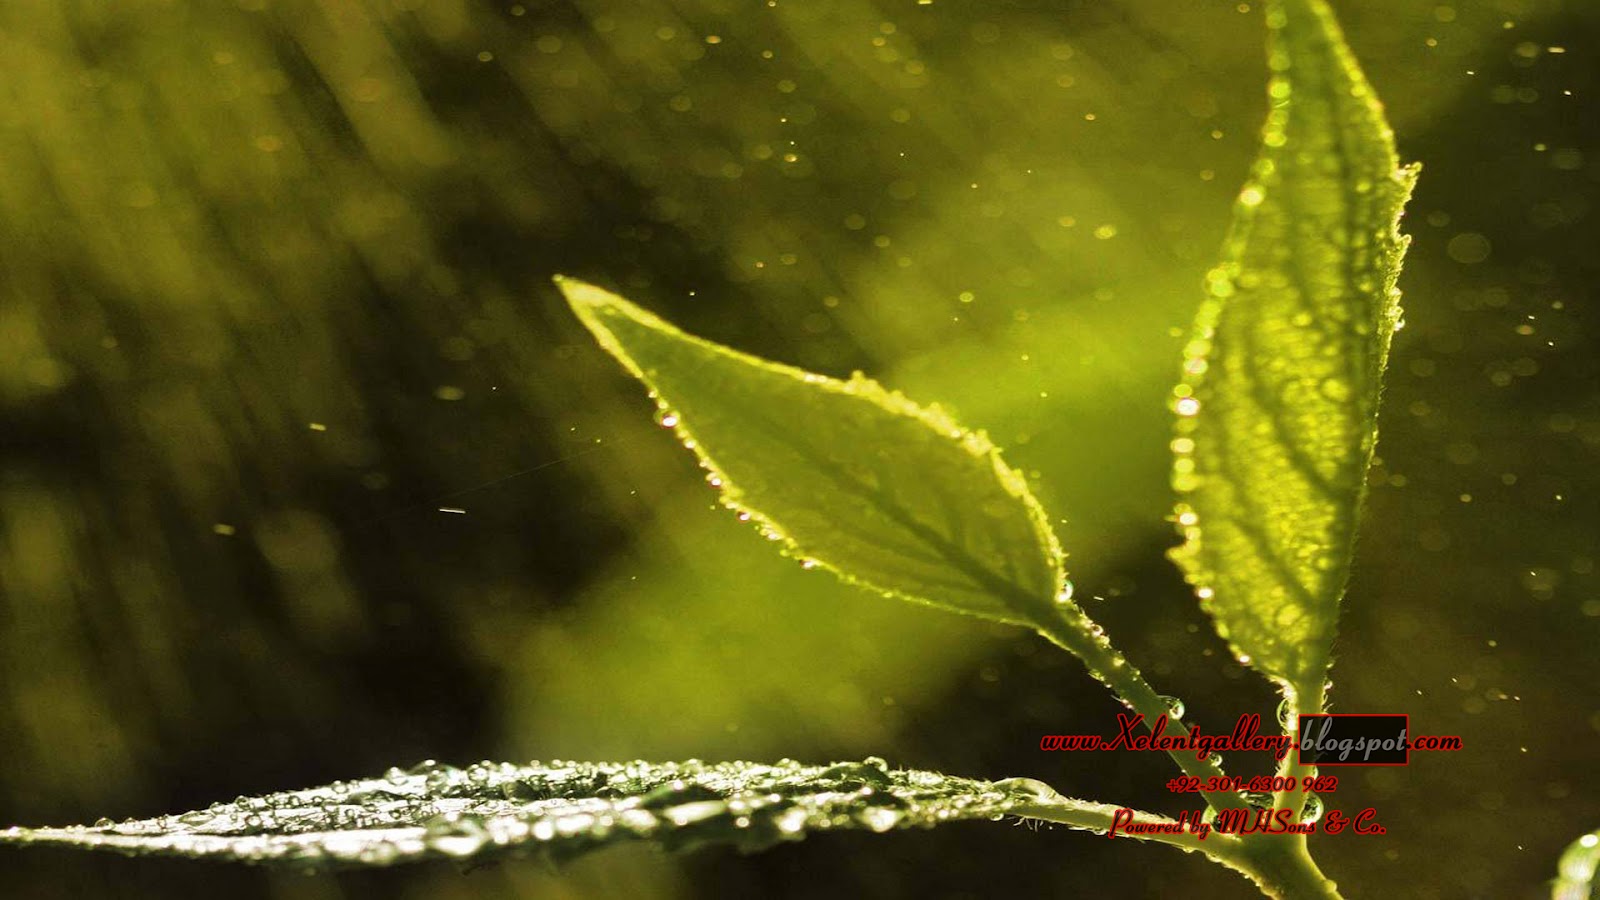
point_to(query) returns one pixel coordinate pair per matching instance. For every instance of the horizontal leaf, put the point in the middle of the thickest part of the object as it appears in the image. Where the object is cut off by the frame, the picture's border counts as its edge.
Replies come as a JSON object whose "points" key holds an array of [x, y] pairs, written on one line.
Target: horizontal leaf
{"points": [[849, 476], [1278, 410], [558, 810]]}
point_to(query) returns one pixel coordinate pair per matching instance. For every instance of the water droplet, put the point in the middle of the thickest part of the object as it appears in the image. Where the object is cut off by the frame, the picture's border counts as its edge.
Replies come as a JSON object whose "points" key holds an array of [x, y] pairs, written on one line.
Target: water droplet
{"points": [[871, 772], [1032, 788], [1312, 811], [1187, 406], [676, 792], [380, 853], [1175, 707], [697, 811], [791, 821], [455, 834], [667, 419], [1065, 596], [879, 819]]}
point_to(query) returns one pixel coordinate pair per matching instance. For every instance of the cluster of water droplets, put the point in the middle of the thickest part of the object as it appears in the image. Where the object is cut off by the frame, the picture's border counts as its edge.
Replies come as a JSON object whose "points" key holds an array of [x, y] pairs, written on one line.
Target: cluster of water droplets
{"points": [[670, 419], [557, 809], [1310, 812]]}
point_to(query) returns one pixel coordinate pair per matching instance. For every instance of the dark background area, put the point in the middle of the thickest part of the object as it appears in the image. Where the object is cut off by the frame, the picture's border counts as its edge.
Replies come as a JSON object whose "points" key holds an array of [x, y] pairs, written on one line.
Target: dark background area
{"points": [[274, 289]]}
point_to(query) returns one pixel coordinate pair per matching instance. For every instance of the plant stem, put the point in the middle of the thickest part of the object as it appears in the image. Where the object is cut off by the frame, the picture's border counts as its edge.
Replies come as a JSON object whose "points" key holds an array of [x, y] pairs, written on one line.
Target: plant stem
{"points": [[1072, 630], [1282, 867], [1223, 848], [1307, 700]]}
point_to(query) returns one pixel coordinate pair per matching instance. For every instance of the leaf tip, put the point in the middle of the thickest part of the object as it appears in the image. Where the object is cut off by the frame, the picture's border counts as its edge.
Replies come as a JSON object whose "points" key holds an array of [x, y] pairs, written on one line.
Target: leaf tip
{"points": [[593, 304], [581, 294]]}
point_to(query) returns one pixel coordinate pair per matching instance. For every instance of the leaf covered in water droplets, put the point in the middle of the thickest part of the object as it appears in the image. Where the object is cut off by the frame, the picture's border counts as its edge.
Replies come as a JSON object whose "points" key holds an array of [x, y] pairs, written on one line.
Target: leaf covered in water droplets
{"points": [[559, 810], [851, 477], [1277, 414]]}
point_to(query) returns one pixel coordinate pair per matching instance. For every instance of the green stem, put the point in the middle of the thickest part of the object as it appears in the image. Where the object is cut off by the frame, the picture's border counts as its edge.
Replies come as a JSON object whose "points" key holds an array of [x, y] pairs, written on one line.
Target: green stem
{"points": [[1223, 848], [1281, 866], [1306, 699], [1074, 631]]}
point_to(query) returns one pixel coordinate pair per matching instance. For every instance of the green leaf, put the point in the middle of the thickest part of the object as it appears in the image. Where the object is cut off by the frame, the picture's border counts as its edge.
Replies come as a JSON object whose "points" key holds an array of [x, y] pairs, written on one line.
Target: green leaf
{"points": [[848, 476], [1278, 410], [561, 810], [1575, 872]]}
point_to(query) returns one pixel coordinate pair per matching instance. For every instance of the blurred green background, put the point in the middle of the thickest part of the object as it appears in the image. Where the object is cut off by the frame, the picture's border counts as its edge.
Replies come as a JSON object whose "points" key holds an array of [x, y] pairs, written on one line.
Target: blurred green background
{"points": [[274, 289]]}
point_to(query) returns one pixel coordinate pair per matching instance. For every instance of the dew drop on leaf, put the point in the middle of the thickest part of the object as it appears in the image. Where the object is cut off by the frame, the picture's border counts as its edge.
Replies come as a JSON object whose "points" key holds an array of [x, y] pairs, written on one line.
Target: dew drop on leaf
{"points": [[454, 834], [1031, 788], [697, 811], [1312, 811], [879, 819]]}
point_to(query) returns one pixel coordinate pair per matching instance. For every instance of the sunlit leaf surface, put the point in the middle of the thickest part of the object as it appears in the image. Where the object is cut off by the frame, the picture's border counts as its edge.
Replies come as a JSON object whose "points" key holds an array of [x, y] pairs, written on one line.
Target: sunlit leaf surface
{"points": [[1576, 870], [560, 810], [1278, 412], [845, 474]]}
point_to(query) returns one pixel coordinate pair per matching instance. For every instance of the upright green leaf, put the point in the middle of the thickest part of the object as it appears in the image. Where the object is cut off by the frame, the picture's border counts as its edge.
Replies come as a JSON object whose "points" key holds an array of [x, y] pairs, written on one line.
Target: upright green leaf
{"points": [[561, 810], [1575, 871], [1278, 410], [849, 476]]}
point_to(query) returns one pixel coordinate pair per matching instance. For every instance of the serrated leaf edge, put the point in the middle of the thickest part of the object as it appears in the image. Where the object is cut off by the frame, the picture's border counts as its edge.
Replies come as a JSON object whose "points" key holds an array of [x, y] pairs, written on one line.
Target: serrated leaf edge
{"points": [[580, 296]]}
